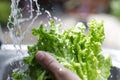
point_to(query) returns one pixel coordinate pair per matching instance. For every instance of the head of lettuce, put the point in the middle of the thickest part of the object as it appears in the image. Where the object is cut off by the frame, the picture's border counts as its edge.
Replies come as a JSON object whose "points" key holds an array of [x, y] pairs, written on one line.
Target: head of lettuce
{"points": [[74, 48]]}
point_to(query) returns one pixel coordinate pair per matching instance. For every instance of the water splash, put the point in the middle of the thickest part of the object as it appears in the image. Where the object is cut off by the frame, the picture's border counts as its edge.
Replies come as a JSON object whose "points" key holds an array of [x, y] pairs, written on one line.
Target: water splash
{"points": [[28, 13], [17, 17]]}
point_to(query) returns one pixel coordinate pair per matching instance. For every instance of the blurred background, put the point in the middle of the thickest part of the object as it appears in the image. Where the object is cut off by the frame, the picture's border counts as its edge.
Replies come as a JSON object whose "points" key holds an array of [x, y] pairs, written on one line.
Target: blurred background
{"points": [[71, 12]]}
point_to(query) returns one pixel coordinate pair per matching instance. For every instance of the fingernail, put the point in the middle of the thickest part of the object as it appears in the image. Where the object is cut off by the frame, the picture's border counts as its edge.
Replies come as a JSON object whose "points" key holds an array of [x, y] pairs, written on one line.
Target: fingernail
{"points": [[40, 55]]}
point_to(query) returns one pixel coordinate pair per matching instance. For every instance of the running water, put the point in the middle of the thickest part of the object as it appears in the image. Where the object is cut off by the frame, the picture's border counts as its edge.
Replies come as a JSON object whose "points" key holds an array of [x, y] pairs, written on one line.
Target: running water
{"points": [[28, 13], [23, 11], [17, 18]]}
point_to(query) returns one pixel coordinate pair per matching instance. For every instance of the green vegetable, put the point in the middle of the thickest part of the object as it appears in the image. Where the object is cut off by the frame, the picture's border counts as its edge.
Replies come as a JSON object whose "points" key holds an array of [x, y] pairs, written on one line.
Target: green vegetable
{"points": [[74, 48]]}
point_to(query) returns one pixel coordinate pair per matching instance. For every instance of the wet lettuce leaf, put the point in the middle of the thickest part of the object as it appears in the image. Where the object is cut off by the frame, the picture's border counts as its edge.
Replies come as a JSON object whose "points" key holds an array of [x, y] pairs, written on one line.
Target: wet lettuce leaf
{"points": [[74, 48]]}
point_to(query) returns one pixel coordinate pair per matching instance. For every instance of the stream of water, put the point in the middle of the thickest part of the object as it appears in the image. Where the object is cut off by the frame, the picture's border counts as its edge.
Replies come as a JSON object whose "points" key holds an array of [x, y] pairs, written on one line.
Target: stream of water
{"points": [[23, 11]]}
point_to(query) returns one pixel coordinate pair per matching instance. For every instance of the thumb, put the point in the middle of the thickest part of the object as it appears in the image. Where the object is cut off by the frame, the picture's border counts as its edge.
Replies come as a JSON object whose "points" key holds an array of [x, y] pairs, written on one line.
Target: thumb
{"points": [[48, 61], [56, 68]]}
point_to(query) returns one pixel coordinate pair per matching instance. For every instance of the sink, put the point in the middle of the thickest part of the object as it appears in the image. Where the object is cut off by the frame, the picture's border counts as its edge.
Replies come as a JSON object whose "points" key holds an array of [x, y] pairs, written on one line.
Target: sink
{"points": [[10, 59], [115, 73]]}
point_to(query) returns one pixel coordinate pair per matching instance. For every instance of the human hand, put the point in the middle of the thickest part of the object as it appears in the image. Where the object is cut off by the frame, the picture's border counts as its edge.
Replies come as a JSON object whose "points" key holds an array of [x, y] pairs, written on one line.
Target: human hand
{"points": [[59, 71]]}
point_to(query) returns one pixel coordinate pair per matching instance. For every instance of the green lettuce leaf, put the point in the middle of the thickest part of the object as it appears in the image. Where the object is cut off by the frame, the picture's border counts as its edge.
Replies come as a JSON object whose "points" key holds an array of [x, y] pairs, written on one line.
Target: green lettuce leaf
{"points": [[74, 48]]}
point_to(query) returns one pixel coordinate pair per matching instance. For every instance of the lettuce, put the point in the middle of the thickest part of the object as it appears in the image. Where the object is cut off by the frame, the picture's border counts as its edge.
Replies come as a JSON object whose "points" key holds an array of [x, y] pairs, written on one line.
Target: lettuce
{"points": [[74, 48]]}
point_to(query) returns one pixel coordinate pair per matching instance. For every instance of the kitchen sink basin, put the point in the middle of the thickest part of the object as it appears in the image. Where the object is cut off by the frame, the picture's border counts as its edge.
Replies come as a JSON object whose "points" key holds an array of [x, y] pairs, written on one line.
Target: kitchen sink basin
{"points": [[11, 60]]}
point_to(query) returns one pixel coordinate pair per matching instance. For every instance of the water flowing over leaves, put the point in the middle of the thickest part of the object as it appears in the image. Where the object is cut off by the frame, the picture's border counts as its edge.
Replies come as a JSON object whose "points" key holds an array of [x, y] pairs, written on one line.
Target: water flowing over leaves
{"points": [[74, 48]]}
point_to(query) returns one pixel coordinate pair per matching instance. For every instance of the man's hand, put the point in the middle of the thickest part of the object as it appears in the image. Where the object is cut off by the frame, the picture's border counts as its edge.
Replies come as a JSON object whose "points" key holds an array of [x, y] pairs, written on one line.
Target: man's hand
{"points": [[60, 72]]}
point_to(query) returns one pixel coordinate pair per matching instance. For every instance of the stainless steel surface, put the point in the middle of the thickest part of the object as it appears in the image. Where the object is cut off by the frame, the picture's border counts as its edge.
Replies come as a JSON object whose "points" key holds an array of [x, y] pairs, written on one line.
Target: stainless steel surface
{"points": [[8, 61]]}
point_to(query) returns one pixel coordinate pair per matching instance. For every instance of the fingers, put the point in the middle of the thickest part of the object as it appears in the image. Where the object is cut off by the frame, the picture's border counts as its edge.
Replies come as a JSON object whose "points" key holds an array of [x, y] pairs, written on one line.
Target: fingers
{"points": [[48, 61], [56, 68]]}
